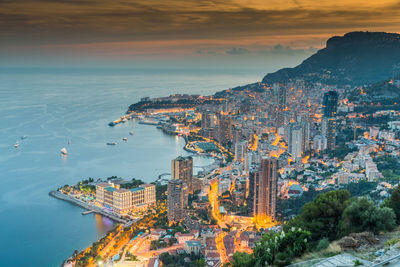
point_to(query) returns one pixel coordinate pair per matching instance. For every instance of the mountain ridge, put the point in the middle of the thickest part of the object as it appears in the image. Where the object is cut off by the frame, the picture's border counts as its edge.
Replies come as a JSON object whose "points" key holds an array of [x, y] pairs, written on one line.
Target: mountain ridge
{"points": [[355, 58]]}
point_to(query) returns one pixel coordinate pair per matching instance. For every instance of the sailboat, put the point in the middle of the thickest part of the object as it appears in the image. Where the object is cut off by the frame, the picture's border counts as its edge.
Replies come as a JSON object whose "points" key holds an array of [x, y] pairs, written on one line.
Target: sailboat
{"points": [[64, 151]]}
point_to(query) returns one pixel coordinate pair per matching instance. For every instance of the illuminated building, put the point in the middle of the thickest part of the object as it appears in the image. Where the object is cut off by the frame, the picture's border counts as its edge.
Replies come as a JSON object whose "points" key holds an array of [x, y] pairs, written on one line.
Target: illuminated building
{"points": [[280, 95], [207, 120], [329, 131], [306, 124], [330, 103], [177, 200], [296, 140], [122, 200], [225, 129], [182, 168], [263, 189], [241, 151], [329, 106], [320, 143]]}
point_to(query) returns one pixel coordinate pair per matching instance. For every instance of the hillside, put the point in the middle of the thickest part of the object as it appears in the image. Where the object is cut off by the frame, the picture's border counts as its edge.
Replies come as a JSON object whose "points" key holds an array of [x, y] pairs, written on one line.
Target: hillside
{"points": [[356, 58]]}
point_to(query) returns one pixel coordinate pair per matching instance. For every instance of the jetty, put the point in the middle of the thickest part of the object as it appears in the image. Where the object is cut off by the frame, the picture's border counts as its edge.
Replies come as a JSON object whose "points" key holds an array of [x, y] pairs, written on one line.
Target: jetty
{"points": [[87, 212], [122, 119]]}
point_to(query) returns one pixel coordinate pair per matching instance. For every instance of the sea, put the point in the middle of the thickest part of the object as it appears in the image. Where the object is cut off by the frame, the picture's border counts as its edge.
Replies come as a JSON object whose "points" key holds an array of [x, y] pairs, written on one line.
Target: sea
{"points": [[71, 108]]}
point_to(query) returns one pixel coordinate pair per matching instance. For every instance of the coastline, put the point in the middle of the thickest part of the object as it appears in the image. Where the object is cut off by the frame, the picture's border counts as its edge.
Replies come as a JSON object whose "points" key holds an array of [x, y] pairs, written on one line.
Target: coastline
{"points": [[61, 196]]}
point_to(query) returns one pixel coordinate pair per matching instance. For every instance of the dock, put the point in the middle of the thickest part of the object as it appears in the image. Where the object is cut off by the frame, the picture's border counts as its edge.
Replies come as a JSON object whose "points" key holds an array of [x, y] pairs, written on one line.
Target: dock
{"points": [[87, 212]]}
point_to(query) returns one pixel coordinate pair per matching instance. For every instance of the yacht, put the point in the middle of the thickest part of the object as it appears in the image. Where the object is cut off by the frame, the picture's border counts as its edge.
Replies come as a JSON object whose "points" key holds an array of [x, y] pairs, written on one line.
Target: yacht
{"points": [[125, 139], [16, 145], [64, 151]]}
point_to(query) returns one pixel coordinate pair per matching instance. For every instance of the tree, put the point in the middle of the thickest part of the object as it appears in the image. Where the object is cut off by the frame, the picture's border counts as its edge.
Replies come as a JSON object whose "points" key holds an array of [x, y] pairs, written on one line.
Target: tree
{"points": [[394, 203], [242, 259], [278, 249], [200, 262], [362, 215], [321, 216]]}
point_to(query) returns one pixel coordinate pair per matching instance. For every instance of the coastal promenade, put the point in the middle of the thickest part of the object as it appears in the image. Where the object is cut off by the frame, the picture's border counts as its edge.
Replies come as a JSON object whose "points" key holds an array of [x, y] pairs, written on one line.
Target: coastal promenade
{"points": [[89, 207]]}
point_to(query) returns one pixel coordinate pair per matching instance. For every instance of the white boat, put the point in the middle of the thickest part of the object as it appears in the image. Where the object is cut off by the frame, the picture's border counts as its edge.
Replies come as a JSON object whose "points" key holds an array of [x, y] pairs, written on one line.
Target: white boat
{"points": [[131, 133], [64, 151], [125, 139], [16, 145]]}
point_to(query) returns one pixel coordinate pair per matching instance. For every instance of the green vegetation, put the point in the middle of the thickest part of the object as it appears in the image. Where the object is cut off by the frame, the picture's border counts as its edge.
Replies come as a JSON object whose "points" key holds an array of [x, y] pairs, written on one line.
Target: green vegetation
{"points": [[389, 166], [132, 184], [328, 217], [363, 215], [178, 260], [157, 244], [321, 216], [322, 244], [293, 206], [130, 257], [276, 249], [394, 203]]}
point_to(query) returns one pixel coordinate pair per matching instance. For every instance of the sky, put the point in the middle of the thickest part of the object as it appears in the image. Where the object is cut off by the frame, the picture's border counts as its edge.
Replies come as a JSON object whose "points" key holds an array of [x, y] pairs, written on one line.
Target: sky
{"points": [[234, 34]]}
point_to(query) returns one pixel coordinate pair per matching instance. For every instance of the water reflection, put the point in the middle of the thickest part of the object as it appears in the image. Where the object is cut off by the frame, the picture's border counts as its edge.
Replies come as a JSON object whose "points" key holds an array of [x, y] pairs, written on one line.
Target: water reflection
{"points": [[103, 224]]}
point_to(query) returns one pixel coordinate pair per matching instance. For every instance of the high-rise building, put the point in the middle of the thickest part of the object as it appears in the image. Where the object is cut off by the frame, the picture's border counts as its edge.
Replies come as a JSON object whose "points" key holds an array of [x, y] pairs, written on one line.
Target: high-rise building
{"points": [[182, 168], [263, 187], [329, 104], [225, 129], [253, 192], [296, 140], [282, 93], [176, 200], [306, 124], [320, 143], [241, 151], [328, 126], [207, 120]]}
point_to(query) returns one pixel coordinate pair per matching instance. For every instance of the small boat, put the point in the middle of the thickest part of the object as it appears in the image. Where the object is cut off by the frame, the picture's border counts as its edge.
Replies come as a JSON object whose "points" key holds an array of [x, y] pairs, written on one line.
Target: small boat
{"points": [[131, 133], [125, 139], [64, 151], [111, 143], [24, 137], [16, 145]]}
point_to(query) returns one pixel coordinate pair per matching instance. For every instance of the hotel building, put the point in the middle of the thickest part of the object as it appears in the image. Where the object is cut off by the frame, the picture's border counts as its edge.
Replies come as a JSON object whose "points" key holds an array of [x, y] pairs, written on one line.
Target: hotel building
{"points": [[122, 200]]}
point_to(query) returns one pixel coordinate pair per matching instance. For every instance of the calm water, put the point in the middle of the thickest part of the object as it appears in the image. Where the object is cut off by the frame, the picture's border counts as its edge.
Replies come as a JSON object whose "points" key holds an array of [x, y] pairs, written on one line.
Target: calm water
{"points": [[52, 107]]}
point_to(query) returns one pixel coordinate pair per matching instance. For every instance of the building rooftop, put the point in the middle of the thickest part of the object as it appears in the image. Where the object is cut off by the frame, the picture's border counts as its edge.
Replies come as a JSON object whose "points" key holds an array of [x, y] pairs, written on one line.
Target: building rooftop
{"points": [[103, 185], [110, 189], [136, 189], [146, 185], [193, 243]]}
